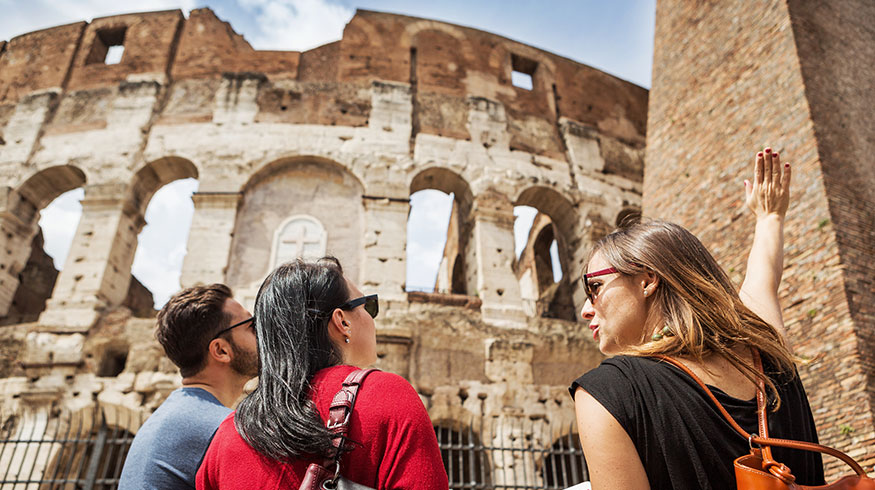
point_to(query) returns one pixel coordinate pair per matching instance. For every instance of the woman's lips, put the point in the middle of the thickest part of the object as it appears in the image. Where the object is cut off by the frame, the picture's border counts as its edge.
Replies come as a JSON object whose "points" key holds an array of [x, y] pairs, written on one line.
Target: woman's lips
{"points": [[595, 331]]}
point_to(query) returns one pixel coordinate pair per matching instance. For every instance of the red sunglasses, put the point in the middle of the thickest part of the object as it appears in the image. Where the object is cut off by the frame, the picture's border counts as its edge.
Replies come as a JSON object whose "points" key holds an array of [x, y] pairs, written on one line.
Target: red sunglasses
{"points": [[587, 288]]}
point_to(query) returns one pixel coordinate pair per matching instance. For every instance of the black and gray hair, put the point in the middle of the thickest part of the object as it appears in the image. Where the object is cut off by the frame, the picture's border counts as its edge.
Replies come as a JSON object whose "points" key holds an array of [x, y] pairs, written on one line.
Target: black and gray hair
{"points": [[292, 311]]}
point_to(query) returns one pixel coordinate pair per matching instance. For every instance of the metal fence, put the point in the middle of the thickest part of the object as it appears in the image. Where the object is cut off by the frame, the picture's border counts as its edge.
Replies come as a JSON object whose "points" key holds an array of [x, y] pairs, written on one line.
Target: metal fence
{"points": [[86, 450], [81, 451], [503, 453]]}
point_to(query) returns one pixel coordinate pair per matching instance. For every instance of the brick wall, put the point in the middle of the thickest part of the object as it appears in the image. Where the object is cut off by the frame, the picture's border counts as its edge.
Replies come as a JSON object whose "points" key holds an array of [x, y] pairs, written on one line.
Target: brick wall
{"points": [[730, 78]]}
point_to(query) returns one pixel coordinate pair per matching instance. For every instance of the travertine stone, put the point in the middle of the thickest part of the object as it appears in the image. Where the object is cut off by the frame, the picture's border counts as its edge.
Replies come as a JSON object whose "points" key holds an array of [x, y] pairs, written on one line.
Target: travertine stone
{"points": [[209, 239]]}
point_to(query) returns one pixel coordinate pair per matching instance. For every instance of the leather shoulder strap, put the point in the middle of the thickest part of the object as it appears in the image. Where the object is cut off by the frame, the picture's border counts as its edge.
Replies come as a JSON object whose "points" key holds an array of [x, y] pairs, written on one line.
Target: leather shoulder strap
{"points": [[766, 441], [342, 406]]}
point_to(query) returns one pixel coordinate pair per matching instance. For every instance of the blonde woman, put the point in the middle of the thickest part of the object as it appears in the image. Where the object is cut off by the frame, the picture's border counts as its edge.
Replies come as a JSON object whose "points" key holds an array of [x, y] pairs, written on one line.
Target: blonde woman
{"points": [[653, 289]]}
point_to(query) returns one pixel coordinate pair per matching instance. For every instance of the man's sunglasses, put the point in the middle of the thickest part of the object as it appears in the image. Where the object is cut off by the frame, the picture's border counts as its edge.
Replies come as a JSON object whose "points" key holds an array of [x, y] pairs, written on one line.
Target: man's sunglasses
{"points": [[372, 304], [250, 319], [587, 288]]}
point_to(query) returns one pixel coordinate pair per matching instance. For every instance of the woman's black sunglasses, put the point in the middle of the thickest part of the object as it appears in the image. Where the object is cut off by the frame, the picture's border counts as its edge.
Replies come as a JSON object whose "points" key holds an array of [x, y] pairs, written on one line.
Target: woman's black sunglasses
{"points": [[372, 304]]}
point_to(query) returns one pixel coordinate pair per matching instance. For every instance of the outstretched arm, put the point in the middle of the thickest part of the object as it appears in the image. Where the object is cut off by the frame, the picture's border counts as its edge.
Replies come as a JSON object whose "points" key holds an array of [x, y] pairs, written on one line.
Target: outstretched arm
{"points": [[768, 197]]}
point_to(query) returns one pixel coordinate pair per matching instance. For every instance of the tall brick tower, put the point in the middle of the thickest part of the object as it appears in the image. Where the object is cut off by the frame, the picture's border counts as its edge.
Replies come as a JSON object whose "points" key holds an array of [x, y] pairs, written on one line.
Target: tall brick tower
{"points": [[731, 77]]}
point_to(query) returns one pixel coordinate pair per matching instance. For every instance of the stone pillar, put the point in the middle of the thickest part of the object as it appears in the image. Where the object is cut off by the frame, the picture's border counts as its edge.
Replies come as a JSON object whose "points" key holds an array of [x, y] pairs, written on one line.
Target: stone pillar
{"points": [[16, 236], [489, 260], [385, 263], [209, 241], [97, 273]]}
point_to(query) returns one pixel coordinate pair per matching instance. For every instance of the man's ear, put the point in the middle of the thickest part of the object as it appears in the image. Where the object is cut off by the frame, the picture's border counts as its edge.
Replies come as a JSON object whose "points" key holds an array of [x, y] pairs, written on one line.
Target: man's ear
{"points": [[220, 350]]}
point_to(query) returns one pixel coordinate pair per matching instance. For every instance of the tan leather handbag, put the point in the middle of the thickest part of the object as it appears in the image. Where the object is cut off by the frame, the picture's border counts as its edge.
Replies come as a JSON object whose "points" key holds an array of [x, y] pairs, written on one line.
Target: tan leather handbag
{"points": [[758, 470]]}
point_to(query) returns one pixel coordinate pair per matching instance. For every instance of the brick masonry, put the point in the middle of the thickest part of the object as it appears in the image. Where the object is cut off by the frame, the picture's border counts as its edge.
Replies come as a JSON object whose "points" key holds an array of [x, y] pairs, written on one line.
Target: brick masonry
{"points": [[731, 77]]}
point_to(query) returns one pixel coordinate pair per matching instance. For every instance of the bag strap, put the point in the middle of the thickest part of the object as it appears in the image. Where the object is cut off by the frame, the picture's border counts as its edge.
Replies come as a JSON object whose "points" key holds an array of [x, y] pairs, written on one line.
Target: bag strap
{"points": [[764, 441], [341, 409]]}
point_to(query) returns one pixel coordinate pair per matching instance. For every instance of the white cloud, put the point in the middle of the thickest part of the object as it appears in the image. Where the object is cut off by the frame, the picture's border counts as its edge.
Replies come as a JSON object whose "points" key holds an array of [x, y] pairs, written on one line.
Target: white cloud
{"points": [[426, 236], [59, 221], [296, 25], [524, 218], [162, 243]]}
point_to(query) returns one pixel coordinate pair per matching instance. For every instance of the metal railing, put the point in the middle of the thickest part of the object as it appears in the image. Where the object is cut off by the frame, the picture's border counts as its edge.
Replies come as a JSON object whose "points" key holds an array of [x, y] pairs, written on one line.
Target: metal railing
{"points": [[503, 453], [82, 451], [79, 451]]}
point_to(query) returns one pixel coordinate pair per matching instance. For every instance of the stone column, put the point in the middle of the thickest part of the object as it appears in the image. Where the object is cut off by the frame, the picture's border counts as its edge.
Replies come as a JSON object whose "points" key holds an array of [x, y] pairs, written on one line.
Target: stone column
{"points": [[209, 241], [16, 236], [385, 265], [97, 273], [489, 257]]}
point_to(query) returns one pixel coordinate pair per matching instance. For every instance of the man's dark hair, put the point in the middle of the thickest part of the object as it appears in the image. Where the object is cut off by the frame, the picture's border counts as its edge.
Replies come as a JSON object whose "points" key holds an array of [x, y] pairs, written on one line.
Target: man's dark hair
{"points": [[188, 322]]}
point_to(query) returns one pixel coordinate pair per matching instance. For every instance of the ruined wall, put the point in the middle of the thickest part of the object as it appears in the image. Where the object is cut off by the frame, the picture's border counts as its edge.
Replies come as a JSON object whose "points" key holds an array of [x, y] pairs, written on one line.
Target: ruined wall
{"points": [[342, 134], [731, 78]]}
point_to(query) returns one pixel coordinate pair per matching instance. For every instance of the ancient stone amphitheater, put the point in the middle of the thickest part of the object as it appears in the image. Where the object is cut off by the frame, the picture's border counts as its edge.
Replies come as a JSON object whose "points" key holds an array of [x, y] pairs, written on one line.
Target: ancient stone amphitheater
{"points": [[320, 151]]}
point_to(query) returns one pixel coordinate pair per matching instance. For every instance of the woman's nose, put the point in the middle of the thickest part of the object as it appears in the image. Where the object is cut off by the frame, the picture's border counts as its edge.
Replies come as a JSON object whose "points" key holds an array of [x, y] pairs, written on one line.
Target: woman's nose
{"points": [[587, 312]]}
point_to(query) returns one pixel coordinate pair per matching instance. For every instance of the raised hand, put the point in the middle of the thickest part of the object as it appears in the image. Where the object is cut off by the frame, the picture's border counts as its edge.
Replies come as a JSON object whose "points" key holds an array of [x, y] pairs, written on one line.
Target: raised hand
{"points": [[767, 197], [769, 194]]}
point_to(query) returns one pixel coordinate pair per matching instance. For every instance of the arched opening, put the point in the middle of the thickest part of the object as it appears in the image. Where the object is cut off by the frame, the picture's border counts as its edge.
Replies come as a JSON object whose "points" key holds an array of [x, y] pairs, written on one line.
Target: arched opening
{"points": [[465, 459], [163, 188], [47, 210], [563, 465], [296, 207], [432, 243], [544, 222], [437, 233]]}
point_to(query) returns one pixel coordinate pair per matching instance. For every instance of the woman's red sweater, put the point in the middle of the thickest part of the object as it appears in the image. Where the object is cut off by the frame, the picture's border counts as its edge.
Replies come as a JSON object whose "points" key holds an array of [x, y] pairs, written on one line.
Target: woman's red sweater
{"points": [[398, 448]]}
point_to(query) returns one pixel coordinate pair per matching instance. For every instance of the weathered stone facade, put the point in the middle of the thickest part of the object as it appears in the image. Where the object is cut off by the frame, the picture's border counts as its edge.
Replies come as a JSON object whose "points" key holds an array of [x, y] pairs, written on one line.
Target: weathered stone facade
{"points": [[730, 77], [337, 137]]}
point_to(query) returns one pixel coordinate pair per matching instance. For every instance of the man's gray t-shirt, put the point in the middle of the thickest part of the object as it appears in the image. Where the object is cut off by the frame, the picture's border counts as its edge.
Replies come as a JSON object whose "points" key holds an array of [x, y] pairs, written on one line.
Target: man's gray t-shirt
{"points": [[170, 446]]}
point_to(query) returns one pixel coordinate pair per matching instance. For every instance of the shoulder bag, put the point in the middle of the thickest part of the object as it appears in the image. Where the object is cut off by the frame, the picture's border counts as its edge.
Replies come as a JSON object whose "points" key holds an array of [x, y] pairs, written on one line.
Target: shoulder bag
{"points": [[758, 470], [319, 476]]}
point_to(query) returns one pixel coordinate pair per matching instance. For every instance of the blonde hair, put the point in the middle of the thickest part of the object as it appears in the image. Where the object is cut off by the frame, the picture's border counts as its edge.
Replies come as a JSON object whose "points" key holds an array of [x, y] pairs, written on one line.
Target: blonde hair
{"points": [[694, 298]]}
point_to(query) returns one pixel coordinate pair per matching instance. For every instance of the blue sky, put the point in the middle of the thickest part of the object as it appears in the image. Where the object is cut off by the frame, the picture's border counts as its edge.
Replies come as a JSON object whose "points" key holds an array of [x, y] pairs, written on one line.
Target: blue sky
{"points": [[615, 36]]}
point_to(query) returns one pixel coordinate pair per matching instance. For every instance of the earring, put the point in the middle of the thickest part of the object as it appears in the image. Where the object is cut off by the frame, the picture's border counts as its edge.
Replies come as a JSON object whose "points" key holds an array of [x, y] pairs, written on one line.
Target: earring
{"points": [[346, 339], [665, 332]]}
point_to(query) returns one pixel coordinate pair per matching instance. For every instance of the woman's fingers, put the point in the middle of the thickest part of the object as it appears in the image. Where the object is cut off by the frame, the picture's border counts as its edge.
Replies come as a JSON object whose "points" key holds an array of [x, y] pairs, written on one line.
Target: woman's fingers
{"points": [[776, 168], [758, 169], [767, 163], [785, 179]]}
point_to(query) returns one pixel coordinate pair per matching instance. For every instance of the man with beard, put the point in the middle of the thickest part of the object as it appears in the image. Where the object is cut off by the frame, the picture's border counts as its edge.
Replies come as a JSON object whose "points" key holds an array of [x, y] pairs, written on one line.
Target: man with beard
{"points": [[211, 338]]}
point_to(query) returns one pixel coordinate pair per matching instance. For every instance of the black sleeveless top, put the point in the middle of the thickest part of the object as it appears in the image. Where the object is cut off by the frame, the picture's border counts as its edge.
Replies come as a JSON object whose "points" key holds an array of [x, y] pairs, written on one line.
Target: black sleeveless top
{"points": [[683, 440]]}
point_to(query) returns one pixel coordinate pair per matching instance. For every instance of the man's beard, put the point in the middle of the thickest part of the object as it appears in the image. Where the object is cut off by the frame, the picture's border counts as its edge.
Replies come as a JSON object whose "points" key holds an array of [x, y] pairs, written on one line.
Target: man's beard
{"points": [[244, 362]]}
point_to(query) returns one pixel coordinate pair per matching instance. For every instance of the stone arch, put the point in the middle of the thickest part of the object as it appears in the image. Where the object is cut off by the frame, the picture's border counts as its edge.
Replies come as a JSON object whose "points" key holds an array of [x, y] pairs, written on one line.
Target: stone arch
{"points": [[414, 28], [453, 275], [267, 167], [556, 220], [41, 188], [22, 240], [555, 205], [322, 189], [155, 175]]}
